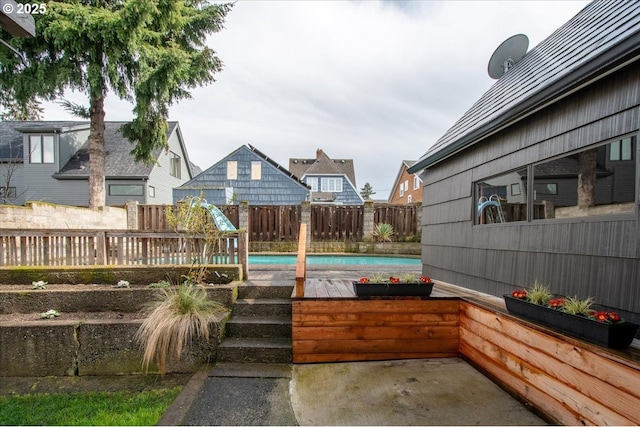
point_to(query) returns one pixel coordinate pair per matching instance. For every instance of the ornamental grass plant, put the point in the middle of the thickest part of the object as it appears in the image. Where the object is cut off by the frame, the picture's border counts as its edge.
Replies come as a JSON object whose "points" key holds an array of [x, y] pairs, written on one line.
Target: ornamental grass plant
{"points": [[174, 320]]}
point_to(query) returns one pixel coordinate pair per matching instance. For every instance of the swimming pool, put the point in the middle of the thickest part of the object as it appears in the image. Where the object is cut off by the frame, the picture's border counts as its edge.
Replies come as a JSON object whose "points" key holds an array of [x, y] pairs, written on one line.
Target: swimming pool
{"points": [[341, 259]]}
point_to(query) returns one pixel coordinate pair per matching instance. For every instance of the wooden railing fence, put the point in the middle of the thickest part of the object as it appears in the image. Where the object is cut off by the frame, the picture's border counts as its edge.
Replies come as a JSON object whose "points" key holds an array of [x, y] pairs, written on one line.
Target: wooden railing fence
{"points": [[99, 247]]}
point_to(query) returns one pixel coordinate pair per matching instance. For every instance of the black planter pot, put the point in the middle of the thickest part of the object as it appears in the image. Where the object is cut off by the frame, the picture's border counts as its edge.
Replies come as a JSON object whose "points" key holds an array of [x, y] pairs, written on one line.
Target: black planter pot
{"points": [[612, 335], [392, 289]]}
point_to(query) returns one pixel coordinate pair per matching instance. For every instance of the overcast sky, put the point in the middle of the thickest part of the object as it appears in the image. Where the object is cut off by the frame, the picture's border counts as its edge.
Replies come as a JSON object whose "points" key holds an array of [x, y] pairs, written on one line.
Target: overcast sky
{"points": [[375, 81]]}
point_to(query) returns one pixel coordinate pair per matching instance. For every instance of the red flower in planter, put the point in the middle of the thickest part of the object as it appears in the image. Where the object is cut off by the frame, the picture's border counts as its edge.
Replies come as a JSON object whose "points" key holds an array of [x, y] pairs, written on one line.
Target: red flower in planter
{"points": [[364, 280], [556, 303], [425, 279], [613, 316], [519, 294], [394, 279], [602, 316]]}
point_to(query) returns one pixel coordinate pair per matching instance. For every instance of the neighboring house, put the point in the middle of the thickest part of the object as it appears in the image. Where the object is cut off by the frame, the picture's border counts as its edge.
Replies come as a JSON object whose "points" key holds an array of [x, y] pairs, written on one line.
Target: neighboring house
{"points": [[407, 188], [556, 138], [245, 175], [49, 161], [331, 181]]}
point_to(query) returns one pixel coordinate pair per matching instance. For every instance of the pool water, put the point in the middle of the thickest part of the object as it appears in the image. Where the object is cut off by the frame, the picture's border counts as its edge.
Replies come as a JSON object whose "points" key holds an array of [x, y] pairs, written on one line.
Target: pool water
{"points": [[334, 260]]}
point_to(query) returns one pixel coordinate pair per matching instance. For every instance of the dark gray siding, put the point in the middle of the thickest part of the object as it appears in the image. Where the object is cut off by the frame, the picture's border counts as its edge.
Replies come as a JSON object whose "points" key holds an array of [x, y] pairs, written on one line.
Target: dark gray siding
{"points": [[594, 256], [274, 188]]}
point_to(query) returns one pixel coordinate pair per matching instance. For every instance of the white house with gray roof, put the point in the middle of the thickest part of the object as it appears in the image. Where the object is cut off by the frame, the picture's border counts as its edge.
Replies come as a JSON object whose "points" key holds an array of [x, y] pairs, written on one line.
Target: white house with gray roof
{"points": [[49, 161]]}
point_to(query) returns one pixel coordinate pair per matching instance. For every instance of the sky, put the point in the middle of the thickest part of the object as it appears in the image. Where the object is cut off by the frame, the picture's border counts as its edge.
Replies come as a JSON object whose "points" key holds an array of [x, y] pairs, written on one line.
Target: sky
{"points": [[378, 82]]}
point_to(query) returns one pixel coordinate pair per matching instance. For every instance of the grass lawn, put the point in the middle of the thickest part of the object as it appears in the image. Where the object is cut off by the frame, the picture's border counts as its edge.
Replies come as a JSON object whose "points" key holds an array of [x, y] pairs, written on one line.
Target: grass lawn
{"points": [[117, 408]]}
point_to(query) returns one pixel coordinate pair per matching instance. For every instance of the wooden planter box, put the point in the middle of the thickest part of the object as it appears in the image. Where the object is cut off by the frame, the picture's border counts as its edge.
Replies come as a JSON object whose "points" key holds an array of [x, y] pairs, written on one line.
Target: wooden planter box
{"points": [[616, 335], [392, 289]]}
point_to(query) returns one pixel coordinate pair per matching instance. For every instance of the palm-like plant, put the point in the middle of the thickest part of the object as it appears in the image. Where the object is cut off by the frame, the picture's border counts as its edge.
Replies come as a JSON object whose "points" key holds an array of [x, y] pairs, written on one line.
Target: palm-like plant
{"points": [[383, 232], [174, 320]]}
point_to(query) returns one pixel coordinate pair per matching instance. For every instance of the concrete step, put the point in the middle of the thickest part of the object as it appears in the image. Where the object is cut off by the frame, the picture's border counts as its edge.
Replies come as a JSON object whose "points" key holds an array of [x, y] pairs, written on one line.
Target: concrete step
{"points": [[265, 290], [252, 370], [258, 327], [262, 307], [255, 350]]}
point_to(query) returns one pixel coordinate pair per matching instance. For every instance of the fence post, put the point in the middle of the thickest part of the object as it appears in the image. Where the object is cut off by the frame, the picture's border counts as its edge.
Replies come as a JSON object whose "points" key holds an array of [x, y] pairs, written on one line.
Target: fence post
{"points": [[243, 216], [243, 253], [132, 215], [305, 218], [367, 223], [101, 248]]}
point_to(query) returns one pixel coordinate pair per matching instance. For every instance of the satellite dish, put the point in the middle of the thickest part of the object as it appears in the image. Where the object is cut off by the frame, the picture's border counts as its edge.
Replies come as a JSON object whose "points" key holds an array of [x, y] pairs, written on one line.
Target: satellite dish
{"points": [[507, 54]]}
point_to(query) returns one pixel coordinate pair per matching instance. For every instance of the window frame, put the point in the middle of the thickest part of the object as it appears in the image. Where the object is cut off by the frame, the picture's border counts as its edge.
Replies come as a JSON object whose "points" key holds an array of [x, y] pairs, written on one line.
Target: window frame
{"points": [[232, 170], [137, 186], [530, 182], [40, 151], [331, 185], [256, 170]]}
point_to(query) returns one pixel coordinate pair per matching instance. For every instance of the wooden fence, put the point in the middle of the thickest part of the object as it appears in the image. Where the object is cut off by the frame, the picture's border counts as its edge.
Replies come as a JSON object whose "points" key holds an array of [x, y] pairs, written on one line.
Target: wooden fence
{"points": [[282, 223], [91, 247]]}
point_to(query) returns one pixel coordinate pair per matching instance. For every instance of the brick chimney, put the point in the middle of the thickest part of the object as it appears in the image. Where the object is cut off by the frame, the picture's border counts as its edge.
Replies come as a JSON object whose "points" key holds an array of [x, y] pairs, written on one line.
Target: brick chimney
{"points": [[319, 153]]}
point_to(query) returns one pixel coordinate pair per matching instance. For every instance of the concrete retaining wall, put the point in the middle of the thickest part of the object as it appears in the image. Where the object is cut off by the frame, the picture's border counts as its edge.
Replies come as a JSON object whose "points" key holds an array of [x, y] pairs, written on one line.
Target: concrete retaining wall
{"points": [[55, 217], [68, 348], [134, 274]]}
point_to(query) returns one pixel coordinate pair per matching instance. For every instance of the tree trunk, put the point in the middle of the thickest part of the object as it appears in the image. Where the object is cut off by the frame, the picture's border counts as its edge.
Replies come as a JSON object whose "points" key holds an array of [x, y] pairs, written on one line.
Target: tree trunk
{"points": [[97, 195], [587, 179]]}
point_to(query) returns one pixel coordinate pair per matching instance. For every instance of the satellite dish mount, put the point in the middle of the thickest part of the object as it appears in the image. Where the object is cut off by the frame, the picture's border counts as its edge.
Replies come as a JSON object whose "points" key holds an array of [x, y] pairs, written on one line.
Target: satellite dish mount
{"points": [[507, 55]]}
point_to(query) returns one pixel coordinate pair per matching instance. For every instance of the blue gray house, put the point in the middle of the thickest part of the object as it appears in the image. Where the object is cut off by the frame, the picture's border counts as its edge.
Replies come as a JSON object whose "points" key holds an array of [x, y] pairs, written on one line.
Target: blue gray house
{"points": [[49, 161], [555, 142], [245, 175], [332, 181]]}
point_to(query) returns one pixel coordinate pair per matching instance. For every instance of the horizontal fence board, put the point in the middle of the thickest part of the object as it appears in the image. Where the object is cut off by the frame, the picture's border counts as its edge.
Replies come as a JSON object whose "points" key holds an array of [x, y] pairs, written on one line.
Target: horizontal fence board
{"points": [[374, 329], [581, 381]]}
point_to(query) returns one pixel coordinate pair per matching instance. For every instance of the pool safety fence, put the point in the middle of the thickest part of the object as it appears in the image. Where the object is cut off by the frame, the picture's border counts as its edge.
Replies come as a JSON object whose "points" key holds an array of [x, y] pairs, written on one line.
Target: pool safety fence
{"points": [[325, 223]]}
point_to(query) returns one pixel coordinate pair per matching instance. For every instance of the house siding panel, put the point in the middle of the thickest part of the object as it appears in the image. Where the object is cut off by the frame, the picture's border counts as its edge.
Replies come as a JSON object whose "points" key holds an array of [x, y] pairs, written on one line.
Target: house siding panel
{"points": [[594, 256], [274, 188], [160, 176]]}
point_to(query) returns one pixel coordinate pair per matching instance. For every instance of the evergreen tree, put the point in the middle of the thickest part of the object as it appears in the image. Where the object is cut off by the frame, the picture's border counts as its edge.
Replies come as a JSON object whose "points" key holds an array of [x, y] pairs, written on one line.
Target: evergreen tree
{"points": [[149, 52], [367, 191]]}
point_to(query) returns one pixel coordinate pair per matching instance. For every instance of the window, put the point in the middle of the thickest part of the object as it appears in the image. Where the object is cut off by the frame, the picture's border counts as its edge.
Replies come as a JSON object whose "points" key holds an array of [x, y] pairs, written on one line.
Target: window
{"points": [[174, 164], [256, 170], [41, 149], [401, 189], [331, 185], [416, 182], [232, 169], [409, 199], [598, 180], [621, 150], [496, 200], [152, 191], [313, 183], [126, 190], [8, 192], [406, 185]]}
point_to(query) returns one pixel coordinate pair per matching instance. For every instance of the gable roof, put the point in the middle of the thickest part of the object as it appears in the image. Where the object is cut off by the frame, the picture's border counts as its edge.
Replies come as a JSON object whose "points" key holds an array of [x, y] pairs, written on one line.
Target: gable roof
{"points": [[118, 161], [259, 155], [601, 38], [323, 165]]}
